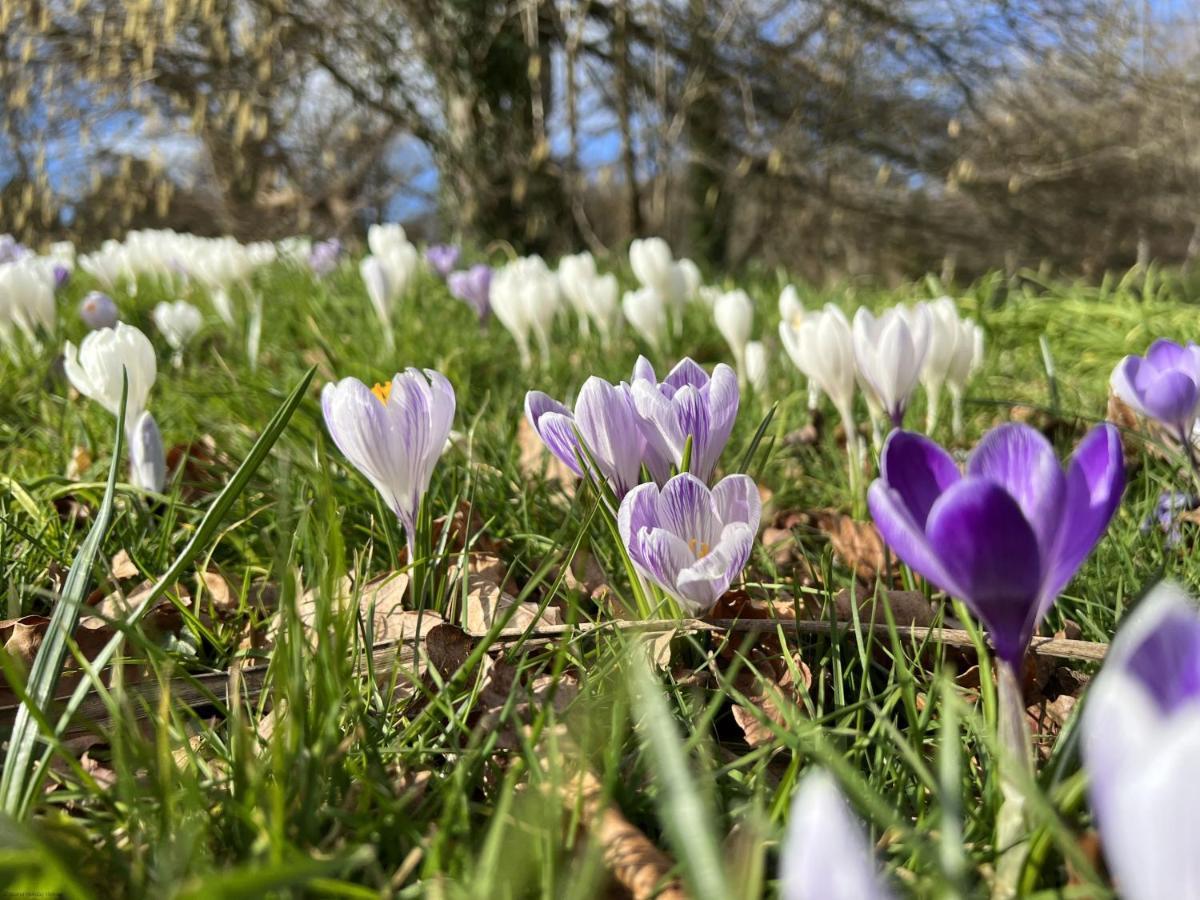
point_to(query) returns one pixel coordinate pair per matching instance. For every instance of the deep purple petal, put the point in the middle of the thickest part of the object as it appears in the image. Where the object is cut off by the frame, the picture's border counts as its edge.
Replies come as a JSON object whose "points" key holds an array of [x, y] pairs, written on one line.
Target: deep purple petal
{"points": [[907, 538], [1021, 460], [989, 549], [1166, 354], [1095, 482], [918, 470]]}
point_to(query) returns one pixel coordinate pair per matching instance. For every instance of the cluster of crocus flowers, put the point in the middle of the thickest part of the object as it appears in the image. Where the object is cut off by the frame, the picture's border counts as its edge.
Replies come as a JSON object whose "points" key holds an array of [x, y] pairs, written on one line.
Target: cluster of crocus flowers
{"points": [[393, 433], [525, 299], [887, 356], [97, 368], [1163, 385], [686, 418], [388, 272], [1141, 748], [593, 297], [324, 256]]}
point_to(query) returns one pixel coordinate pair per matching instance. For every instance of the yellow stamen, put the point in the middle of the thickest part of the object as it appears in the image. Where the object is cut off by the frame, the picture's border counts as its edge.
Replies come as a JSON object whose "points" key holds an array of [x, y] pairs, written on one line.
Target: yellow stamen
{"points": [[382, 391], [699, 548]]}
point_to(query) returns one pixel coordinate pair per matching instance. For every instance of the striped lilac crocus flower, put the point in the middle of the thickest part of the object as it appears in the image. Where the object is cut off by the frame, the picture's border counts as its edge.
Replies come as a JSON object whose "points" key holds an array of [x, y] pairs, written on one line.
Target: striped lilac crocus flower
{"points": [[1141, 749], [689, 540], [393, 433], [605, 418], [688, 403], [1006, 536]]}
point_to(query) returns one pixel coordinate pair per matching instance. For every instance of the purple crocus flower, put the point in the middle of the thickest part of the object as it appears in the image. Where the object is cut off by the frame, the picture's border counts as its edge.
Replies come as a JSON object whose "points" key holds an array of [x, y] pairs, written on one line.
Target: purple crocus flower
{"points": [[689, 540], [473, 286], [605, 418], [324, 256], [98, 311], [62, 275], [1008, 535], [1141, 748], [687, 404], [442, 257], [1163, 385], [393, 433]]}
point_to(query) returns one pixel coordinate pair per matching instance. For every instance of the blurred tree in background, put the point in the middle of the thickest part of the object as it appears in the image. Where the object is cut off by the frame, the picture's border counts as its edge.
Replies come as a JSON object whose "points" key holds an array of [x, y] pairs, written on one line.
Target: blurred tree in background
{"points": [[841, 137]]}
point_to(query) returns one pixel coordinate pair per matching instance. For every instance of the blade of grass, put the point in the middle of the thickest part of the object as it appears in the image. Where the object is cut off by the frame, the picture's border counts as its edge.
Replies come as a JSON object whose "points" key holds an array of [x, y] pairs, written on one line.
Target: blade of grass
{"points": [[48, 664]]}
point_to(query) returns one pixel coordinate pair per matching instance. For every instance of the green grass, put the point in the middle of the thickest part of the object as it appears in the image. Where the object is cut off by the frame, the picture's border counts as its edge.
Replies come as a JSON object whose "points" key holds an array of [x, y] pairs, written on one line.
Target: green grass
{"points": [[453, 787]]}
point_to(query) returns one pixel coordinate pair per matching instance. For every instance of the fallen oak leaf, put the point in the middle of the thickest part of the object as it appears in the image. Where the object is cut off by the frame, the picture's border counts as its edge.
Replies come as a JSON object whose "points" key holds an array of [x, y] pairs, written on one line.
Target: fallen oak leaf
{"points": [[857, 544]]}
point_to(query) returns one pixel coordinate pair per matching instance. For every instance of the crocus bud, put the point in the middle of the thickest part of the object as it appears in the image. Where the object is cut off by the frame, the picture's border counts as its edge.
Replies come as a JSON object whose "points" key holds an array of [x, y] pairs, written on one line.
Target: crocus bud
{"points": [[734, 315], [147, 459]]}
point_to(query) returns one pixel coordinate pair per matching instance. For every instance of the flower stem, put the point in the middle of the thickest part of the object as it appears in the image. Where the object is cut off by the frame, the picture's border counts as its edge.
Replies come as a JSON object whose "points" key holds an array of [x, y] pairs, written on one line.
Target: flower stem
{"points": [[1015, 768]]}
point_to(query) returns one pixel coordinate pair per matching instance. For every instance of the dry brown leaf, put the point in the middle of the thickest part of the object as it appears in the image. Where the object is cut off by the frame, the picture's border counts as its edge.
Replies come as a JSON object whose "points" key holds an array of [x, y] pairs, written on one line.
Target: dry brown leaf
{"points": [[122, 566], [448, 647], [908, 607], [536, 462], [857, 544], [632, 858], [766, 693], [218, 592], [205, 468], [487, 604], [22, 637]]}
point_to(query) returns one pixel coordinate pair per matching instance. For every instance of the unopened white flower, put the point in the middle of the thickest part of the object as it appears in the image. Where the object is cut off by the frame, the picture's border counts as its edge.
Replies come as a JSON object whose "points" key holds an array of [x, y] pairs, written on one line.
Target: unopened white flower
{"points": [[756, 366], [95, 367], [951, 343], [379, 292], [179, 322], [646, 312], [689, 272], [791, 308], [822, 347], [575, 276], [890, 352], [658, 271], [968, 357], [602, 298], [734, 315]]}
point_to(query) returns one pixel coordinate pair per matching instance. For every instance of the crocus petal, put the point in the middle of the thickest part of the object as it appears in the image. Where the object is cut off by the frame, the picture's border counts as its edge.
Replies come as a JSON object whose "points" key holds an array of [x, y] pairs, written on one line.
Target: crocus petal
{"points": [[607, 422], [907, 539], [1165, 354], [918, 470], [991, 552], [686, 372], [1021, 460], [685, 507], [703, 582], [638, 510], [1095, 482], [660, 556], [736, 499], [825, 855], [1171, 398]]}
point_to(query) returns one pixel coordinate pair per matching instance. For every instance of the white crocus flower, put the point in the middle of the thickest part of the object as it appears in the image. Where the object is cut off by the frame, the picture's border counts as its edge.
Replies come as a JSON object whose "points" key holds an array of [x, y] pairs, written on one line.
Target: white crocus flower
{"points": [[656, 269], [791, 316], [646, 312], [179, 322], [756, 366], [689, 272], [945, 332], [575, 276], [734, 315], [524, 297], [400, 258], [968, 357], [825, 855], [26, 302], [379, 292], [890, 352], [602, 298], [95, 369]]}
